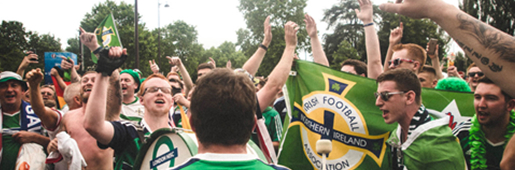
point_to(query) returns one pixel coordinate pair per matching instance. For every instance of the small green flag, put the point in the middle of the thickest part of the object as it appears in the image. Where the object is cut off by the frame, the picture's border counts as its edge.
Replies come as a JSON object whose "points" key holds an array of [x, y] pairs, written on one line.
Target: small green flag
{"points": [[328, 104], [107, 35]]}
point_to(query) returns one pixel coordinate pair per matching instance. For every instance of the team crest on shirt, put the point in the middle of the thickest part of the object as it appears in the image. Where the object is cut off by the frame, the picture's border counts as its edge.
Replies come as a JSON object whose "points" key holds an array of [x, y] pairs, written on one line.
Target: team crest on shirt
{"points": [[106, 34], [329, 115]]}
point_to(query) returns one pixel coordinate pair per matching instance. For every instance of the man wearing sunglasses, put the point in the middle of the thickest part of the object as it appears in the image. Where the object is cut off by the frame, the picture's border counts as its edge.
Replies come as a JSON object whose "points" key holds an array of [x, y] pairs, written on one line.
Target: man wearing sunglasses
{"points": [[474, 73], [418, 142], [409, 56]]}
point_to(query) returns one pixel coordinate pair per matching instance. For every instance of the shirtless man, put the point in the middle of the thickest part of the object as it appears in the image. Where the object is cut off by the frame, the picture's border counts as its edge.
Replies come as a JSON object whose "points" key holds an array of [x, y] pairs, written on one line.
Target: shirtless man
{"points": [[95, 157]]}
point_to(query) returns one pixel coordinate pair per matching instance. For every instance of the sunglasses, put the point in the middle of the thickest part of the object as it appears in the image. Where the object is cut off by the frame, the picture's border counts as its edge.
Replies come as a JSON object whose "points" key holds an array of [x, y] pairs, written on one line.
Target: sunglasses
{"points": [[479, 74], [173, 80], [166, 90], [386, 95], [398, 61]]}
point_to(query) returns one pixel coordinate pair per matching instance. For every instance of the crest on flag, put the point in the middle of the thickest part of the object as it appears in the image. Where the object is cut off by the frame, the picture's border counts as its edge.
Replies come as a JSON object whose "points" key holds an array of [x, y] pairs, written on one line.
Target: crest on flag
{"points": [[329, 115]]}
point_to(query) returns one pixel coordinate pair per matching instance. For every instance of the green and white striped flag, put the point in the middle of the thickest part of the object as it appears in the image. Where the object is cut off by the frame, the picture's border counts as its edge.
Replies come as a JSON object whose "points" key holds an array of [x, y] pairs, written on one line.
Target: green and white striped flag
{"points": [[107, 34], [328, 104]]}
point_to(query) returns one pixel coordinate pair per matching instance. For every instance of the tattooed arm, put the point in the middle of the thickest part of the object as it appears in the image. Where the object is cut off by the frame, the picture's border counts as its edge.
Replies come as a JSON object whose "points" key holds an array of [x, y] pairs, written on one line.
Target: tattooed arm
{"points": [[491, 49]]}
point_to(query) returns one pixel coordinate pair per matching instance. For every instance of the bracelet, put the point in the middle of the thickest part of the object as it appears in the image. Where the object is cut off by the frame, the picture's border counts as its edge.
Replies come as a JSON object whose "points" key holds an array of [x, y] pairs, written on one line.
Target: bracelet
{"points": [[264, 47], [97, 50], [369, 24]]}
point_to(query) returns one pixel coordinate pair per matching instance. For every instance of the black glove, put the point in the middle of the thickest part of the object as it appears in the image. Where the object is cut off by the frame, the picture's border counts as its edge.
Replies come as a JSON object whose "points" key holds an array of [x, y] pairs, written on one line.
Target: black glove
{"points": [[107, 65]]}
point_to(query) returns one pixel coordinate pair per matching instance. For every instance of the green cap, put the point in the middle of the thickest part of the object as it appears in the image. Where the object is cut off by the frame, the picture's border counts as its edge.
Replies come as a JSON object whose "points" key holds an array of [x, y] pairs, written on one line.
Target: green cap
{"points": [[135, 76], [9, 75]]}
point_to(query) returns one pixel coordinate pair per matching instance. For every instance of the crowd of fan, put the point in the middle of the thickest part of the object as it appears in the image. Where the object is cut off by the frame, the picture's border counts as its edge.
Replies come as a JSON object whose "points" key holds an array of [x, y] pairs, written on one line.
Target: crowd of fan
{"points": [[108, 108]]}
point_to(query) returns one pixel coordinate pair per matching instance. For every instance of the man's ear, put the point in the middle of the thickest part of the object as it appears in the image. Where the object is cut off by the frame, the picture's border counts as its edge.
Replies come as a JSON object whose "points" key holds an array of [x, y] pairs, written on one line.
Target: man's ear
{"points": [[416, 65], [510, 104], [363, 75], [435, 82], [410, 97], [77, 100]]}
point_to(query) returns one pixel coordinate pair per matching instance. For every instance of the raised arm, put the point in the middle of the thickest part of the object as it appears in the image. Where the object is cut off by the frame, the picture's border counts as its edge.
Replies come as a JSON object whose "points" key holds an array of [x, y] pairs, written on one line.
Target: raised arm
{"points": [[188, 83], [435, 62], [58, 78], [318, 52], [49, 118], [395, 38], [279, 75], [94, 122], [374, 65], [31, 58], [491, 49], [253, 63]]}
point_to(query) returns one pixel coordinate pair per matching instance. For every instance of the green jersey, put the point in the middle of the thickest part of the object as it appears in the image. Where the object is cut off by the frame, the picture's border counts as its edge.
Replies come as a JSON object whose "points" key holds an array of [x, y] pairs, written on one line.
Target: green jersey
{"points": [[429, 146], [226, 161]]}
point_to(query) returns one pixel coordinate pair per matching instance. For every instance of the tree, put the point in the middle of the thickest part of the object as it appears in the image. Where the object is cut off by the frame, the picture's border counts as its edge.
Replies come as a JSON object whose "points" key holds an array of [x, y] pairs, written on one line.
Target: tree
{"points": [[123, 15], [347, 27], [497, 13], [180, 39], [345, 51], [255, 13], [14, 40]]}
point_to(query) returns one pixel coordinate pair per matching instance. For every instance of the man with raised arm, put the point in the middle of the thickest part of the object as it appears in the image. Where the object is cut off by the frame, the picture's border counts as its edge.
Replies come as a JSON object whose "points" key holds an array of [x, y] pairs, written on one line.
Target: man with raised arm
{"points": [[418, 142], [484, 137], [223, 147], [21, 122], [73, 120], [123, 136]]}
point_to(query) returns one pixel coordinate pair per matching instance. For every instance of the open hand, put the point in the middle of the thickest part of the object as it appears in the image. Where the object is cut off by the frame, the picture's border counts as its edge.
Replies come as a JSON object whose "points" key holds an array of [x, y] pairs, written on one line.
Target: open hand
{"points": [[311, 26], [366, 12], [290, 33], [267, 31]]}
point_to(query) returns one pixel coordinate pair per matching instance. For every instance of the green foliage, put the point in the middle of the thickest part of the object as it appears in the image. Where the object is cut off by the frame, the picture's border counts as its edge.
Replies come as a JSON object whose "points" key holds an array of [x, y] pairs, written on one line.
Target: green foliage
{"points": [[347, 27], [123, 15], [14, 40], [345, 51], [497, 13], [280, 12]]}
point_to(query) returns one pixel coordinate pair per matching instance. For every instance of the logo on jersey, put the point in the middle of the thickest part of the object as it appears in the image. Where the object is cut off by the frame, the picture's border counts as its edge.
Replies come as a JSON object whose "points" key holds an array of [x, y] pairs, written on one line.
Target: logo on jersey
{"points": [[329, 115]]}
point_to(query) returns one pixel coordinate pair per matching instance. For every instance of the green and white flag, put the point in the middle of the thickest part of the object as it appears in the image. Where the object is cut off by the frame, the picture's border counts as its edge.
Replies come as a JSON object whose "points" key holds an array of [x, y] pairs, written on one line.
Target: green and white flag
{"points": [[328, 104], [107, 34]]}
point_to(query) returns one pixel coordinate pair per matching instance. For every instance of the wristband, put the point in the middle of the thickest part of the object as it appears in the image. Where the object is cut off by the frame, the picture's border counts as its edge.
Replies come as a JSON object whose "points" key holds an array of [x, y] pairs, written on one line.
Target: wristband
{"points": [[97, 50], [369, 24], [264, 47]]}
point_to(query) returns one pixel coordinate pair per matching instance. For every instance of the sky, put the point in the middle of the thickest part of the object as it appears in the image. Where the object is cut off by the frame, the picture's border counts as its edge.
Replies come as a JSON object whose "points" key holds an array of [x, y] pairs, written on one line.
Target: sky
{"points": [[215, 21]]}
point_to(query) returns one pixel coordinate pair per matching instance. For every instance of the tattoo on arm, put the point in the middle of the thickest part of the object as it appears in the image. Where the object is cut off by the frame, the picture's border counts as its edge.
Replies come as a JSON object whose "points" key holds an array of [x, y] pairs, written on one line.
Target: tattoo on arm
{"points": [[490, 38], [485, 61]]}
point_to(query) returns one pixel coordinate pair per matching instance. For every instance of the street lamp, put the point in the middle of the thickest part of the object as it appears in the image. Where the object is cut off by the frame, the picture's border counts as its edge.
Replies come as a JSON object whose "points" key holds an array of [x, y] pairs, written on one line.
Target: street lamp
{"points": [[159, 27]]}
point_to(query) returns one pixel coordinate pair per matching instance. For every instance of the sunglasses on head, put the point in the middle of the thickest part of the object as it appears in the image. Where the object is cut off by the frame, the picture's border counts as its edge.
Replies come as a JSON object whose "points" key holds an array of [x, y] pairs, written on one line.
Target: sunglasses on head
{"points": [[166, 90], [479, 74], [386, 95], [398, 61]]}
